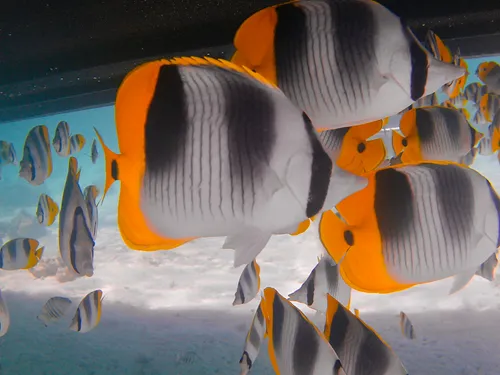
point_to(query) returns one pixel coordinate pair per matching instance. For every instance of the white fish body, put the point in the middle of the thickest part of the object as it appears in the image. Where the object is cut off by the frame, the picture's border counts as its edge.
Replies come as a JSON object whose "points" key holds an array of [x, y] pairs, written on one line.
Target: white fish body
{"points": [[4, 316], [90, 194], [485, 146], [36, 164], [324, 279], [20, 253], [406, 326], [61, 141], [76, 243], [248, 284], [88, 313], [253, 341], [54, 309]]}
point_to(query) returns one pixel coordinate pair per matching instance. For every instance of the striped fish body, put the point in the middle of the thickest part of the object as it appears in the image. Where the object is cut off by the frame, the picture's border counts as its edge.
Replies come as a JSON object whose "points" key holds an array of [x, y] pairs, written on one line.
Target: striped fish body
{"points": [[455, 88], [324, 279], [360, 349], [54, 309], [19, 253], [425, 101], [248, 285], [88, 313], [47, 210], [76, 244], [488, 269], [61, 140], [296, 346], [36, 164], [340, 61], [435, 133], [489, 73], [76, 143], [485, 146], [413, 224], [406, 326], [474, 91], [7, 153], [488, 106], [253, 341], [94, 154], [4, 316], [214, 151], [90, 194]]}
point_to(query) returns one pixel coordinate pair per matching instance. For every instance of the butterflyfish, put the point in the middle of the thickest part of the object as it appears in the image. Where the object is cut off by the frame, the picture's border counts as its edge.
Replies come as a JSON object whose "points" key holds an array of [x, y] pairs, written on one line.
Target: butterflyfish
{"points": [[488, 106], [350, 148], [90, 195], [489, 73], [254, 338], [360, 349], [473, 92], [94, 154], [76, 241], [344, 63], [4, 316], [488, 269], [485, 146], [209, 148], [20, 253], [413, 224], [406, 326], [324, 279], [88, 313], [295, 345], [36, 164], [53, 310], [438, 49], [455, 88], [494, 132], [47, 210], [426, 101], [479, 118], [76, 142], [61, 140], [248, 285], [470, 157], [7, 155], [434, 133]]}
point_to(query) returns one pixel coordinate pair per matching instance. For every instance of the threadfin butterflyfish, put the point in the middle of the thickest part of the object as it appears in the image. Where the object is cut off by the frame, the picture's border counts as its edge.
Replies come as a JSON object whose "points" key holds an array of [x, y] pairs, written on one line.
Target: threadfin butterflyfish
{"points": [[88, 313], [413, 224], [4, 316], [434, 133], [76, 143], [248, 284], [406, 326], [473, 92], [36, 164], [360, 349], [7, 155], [489, 73], [94, 154], [20, 253], [209, 148], [61, 141], [53, 310], [47, 210], [76, 241], [90, 194], [254, 338], [344, 63], [489, 104], [324, 279], [296, 346]]}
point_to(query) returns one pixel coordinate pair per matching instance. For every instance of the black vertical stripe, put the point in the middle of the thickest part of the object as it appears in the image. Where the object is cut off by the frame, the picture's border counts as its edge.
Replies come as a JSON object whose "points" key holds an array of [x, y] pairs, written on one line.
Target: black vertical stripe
{"points": [[425, 124], [373, 355], [310, 289], [254, 337], [166, 123], [339, 329], [241, 293], [321, 170], [278, 322], [306, 346], [452, 118], [496, 201], [332, 275], [260, 316], [419, 64]]}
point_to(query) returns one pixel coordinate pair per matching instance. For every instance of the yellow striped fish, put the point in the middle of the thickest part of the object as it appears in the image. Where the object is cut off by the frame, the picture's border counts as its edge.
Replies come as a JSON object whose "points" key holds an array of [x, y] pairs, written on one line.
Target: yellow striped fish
{"points": [[20, 253], [406, 326], [88, 313], [61, 141], [47, 210], [248, 285], [36, 164], [254, 338]]}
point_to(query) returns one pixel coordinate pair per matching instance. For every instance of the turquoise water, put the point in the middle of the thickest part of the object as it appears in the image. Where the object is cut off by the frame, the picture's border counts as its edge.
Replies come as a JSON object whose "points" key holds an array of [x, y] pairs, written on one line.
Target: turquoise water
{"points": [[169, 312]]}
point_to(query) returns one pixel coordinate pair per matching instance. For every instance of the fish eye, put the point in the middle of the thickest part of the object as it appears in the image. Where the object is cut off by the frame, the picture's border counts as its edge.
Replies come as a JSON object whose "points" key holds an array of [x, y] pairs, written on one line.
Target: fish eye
{"points": [[349, 237], [405, 142], [361, 147]]}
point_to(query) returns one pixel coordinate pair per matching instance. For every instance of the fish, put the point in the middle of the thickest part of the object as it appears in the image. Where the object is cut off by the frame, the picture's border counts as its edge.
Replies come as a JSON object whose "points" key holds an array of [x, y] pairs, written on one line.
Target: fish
{"points": [[406, 326], [437, 47], [4, 316], [494, 132], [253, 340], [474, 91], [36, 164], [413, 224], [489, 73], [488, 269], [88, 313], [76, 142], [340, 61], [76, 241], [324, 279], [61, 140], [295, 345], [489, 105], [7, 155], [434, 133], [485, 146], [360, 349], [455, 88], [248, 285], [469, 159], [479, 118], [20, 253], [90, 194], [258, 175], [93, 152], [458, 101], [47, 210], [350, 149], [54, 309]]}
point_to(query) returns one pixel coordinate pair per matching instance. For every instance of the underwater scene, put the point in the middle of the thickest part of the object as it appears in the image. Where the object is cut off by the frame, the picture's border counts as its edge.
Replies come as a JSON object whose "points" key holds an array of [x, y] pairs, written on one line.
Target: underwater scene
{"points": [[135, 241]]}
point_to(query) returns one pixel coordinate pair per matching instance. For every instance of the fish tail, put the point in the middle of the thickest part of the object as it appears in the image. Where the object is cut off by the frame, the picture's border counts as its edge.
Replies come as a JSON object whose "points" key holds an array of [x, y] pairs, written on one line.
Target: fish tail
{"points": [[335, 235], [111, 162], [39, 252], [397, 142]]}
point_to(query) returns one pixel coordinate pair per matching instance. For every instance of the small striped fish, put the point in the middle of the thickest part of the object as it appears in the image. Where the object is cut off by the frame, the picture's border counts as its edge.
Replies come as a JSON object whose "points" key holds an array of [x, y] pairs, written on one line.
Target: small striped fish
{"points": [[54, 309], [406, 327]]}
